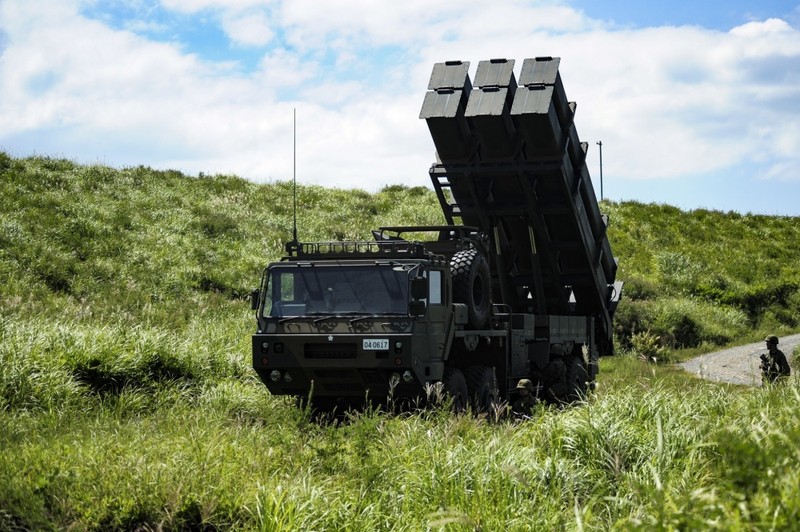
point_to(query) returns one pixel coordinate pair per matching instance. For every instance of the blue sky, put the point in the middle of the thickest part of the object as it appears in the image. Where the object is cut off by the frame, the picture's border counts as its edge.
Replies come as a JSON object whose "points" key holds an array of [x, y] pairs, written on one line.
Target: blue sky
{"points": [[715, 15], [697, 103]]}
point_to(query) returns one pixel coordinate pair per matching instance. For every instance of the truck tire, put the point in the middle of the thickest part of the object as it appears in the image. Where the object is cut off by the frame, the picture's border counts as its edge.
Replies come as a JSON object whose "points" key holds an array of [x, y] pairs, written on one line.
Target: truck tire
{"points": [[576, 378], [472, 286], [455, 387], [482, 385]]}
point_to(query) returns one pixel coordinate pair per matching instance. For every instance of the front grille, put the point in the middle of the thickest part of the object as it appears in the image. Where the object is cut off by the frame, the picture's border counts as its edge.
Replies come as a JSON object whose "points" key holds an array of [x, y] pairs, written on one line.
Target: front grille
{"points": [[330, 351], [372, 377]]}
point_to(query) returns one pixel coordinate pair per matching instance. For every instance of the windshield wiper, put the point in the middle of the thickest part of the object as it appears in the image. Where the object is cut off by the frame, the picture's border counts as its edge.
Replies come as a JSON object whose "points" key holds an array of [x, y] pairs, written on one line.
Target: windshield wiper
{"points": [[325, 316], [379, 315], [289, 318]]}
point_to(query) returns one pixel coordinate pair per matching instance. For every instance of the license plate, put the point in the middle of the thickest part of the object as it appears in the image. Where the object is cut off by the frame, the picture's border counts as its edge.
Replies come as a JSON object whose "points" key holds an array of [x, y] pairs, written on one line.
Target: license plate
{"points": [[376, 344]]}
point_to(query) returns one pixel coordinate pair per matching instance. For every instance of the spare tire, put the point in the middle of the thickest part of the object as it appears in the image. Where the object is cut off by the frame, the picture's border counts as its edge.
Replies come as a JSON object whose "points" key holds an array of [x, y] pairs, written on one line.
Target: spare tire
{"points": [[472, 286]]}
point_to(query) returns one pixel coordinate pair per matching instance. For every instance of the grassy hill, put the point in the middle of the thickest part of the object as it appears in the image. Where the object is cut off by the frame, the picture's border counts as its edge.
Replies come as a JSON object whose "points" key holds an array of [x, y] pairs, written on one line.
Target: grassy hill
{"points": [[705, 276], [127, 399]]}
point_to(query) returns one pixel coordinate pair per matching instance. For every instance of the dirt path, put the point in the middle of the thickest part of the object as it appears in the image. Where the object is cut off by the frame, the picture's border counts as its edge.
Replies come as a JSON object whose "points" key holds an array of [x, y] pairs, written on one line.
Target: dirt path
{"points": [[738, 365]]}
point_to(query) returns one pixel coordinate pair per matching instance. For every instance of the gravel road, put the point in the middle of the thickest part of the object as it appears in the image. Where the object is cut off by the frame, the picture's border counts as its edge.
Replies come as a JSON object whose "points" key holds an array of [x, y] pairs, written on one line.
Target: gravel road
{"points": [[738, 365]]}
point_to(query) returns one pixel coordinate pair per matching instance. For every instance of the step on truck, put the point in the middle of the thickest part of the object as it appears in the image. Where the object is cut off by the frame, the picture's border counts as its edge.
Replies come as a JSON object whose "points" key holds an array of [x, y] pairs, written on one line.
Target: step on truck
{"points": [[518, 283]]}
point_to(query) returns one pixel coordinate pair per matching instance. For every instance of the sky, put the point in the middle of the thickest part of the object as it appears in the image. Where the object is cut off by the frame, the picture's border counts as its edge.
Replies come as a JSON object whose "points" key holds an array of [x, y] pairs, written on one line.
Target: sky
{"points": [[697, 104]]}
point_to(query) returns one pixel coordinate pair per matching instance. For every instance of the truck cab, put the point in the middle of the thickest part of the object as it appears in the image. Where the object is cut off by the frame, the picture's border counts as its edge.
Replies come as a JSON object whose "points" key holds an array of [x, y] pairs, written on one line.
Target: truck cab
{"points": [[353, 321]]}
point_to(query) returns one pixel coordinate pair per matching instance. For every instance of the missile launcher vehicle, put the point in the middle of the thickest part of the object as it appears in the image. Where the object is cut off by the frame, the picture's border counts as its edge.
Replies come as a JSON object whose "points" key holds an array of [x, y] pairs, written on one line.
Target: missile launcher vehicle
{"points": [[518, 283]]}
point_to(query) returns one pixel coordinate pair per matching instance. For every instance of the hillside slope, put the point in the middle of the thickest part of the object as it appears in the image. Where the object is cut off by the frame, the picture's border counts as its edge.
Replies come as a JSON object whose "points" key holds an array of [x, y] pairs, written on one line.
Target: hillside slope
{"points": [[125, 241], [705, 276], [139, 243], [127, 400]]}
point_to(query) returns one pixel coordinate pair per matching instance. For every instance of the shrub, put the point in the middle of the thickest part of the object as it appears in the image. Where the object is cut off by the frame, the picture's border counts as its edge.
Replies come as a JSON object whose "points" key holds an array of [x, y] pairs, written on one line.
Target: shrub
{"points": [[215, 224], [5, 162], [687, 322], [637, 288], [632, 317], [647, 347]]}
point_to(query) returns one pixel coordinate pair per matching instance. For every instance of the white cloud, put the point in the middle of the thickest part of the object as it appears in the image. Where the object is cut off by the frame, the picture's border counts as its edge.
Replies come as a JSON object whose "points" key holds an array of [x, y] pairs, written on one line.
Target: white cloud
{"points": [[249, 29], [682, 101], [194, 6], [146, 26], [785, 171], [769, 27], [667, 102], [280, 69]]}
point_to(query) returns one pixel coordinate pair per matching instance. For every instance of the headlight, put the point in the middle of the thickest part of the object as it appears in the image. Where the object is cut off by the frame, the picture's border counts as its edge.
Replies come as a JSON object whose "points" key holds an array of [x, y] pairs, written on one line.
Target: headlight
{"points": [[274, 375]]}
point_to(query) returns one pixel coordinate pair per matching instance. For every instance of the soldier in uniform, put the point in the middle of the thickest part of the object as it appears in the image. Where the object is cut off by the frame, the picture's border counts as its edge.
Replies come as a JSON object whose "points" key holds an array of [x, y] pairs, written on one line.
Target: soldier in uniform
{"points": [[526, 398], [774, 365]]}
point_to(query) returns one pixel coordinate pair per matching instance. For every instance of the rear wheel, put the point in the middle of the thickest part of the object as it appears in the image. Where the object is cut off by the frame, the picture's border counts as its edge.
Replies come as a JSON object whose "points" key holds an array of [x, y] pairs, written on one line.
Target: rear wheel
{"points": [[577, 378], [482, 385], [455, 387]]}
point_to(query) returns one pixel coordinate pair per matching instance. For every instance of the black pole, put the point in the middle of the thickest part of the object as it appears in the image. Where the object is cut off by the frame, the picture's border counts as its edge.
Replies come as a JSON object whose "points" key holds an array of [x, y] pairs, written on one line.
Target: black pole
{"points": [[294, 176], [600, 143], [291, 247]]}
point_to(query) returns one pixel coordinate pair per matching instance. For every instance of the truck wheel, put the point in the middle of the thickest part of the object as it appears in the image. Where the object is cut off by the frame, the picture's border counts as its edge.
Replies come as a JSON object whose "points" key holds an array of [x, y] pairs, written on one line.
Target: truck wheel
{"points": [[472, 286], [455, 386], [482, 385], [576, 378]]}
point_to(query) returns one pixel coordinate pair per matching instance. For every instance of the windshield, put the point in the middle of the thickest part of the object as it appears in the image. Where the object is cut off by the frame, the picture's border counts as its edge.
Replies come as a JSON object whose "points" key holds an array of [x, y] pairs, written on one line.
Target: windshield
{"points": [[310, 291]]}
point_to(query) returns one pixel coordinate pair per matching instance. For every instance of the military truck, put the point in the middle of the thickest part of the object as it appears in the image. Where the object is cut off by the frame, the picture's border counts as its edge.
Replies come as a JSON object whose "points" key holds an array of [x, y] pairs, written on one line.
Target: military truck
{"points": [[519, 282]]}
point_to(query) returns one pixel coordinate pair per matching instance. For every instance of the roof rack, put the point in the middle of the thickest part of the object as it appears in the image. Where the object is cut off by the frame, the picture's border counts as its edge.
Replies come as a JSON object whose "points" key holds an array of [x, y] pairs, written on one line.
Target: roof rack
{"points": [[385, 249]]}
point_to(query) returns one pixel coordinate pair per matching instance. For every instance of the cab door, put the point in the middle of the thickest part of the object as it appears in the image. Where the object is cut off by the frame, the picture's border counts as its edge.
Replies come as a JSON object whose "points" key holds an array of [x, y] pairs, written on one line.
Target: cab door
{"points": [[440, 313]]}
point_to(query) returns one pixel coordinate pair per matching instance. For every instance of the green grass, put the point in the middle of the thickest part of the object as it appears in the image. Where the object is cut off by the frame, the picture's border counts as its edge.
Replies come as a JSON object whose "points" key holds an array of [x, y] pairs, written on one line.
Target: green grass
{"points": [[704, 277], [127, 400], [659, 451]]}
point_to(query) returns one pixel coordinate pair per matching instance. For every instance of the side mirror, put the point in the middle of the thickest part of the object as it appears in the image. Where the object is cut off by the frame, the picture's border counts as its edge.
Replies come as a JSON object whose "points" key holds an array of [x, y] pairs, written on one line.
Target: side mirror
{"points": [[254, 297], [416, 308], [419, 288]]}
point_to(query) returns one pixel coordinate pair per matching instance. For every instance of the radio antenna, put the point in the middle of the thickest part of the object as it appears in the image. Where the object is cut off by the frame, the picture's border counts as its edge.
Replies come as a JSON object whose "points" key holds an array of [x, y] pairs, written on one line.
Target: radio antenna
{"points": [[291, 247], [294, 175]]}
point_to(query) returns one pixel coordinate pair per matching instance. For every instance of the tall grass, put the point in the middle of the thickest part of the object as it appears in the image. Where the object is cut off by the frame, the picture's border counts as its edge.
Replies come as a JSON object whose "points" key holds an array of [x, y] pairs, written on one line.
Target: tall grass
{"points": [[704, 277], [127, 400], [227, 455]]}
